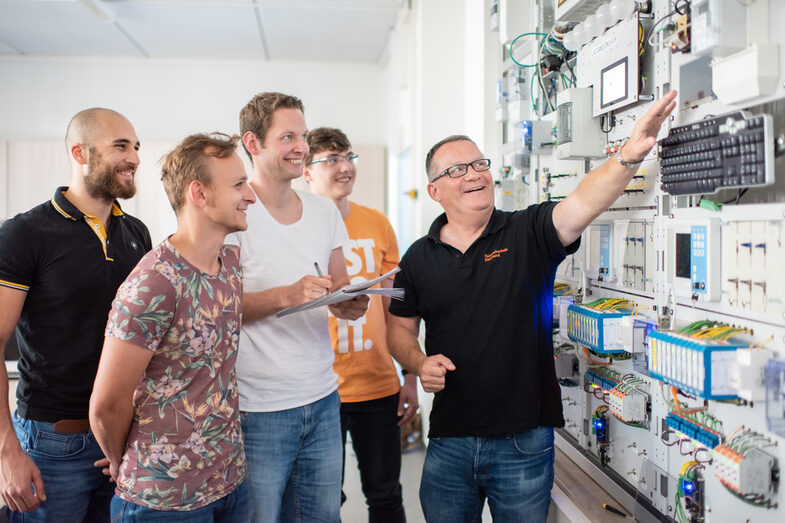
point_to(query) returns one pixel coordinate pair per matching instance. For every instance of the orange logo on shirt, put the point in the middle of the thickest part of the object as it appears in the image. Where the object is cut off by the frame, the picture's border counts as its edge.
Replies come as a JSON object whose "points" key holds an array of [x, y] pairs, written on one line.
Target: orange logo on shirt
{"points": [[495, 254]]}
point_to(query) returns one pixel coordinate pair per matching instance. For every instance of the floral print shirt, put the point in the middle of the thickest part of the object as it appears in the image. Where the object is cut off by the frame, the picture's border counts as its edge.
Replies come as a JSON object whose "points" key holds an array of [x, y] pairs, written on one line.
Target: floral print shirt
{"points": [[184, 448]]}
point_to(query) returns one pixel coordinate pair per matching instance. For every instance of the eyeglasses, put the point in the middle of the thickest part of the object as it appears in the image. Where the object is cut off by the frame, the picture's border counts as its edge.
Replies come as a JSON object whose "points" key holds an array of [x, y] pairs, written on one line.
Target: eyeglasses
{"points": [[333, 161], [456, 171]]}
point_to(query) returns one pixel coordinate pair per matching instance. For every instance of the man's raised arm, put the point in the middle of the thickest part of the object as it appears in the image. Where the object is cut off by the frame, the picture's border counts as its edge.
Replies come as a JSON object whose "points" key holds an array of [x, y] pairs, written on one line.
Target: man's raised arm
{"points": [[603, 185]]}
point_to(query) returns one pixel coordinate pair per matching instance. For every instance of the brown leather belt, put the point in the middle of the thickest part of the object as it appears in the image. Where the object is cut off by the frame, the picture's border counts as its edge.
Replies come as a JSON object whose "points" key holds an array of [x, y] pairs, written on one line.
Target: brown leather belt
{"points": [[72, 426]]}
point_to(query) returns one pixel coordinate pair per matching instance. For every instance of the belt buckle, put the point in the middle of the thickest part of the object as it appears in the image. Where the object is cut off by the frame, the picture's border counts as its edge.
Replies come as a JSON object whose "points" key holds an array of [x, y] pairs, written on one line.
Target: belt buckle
{"points": [[72, 426]]}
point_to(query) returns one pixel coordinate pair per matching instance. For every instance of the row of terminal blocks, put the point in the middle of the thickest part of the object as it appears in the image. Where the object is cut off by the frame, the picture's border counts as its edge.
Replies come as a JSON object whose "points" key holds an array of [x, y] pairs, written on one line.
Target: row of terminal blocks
{"points": [[693, 430]]}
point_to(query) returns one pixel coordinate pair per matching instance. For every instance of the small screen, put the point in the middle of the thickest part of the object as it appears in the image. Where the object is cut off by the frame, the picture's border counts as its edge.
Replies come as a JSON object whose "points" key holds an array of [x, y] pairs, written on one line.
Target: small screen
{"points": [[613, 83], [682, 255]]}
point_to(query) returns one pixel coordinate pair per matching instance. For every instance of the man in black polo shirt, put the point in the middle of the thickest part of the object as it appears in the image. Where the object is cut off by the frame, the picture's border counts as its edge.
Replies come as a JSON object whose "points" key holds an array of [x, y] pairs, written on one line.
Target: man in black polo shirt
{"points": [[60, 266], [482, 280]]}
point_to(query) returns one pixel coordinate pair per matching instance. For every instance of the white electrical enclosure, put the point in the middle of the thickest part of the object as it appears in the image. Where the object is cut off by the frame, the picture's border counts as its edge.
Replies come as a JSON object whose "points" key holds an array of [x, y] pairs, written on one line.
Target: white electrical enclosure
{"points": [[599, 252], [578, 132], [610, 65], [692, 258]]}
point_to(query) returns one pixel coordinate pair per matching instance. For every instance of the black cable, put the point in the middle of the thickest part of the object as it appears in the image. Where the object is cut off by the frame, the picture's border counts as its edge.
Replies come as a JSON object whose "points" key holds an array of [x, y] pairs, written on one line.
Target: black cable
{"points": [[611, 122], [572, 73], [682, 11], [735, 200]]}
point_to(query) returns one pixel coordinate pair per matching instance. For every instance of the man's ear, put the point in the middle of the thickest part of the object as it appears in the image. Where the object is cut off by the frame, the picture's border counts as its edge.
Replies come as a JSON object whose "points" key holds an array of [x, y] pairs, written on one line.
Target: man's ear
{"points": [[433, 192], [79, 153], [251, 143], [195, 193], [307, 175]]}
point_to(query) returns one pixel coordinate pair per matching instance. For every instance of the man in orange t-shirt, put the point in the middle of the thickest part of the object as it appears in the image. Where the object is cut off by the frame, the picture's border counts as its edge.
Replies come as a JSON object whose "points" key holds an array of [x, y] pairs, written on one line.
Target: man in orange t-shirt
{"points": [[373, 404]]}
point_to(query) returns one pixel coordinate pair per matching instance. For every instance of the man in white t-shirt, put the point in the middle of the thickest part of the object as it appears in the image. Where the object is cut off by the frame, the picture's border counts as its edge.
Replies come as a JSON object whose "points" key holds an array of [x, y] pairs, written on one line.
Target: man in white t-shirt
{"points": [[288, 397]]}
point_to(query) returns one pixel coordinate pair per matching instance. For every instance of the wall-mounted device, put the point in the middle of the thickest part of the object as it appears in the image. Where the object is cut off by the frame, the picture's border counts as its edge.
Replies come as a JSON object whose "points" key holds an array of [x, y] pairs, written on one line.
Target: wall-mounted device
{"points": [[693, 258], [533, 136], [599, 252], [578, 133], [610, 64]]}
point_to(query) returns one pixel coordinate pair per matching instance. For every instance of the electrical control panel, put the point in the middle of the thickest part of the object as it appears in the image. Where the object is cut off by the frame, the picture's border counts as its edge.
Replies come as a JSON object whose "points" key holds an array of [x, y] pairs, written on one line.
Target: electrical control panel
{"points": [[669, 322]]}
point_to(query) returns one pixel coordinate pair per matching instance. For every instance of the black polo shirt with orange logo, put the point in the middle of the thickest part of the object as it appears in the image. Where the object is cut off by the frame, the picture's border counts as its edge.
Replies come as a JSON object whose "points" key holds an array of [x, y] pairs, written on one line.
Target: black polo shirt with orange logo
{"points": [[490, 311], [70, 267]]}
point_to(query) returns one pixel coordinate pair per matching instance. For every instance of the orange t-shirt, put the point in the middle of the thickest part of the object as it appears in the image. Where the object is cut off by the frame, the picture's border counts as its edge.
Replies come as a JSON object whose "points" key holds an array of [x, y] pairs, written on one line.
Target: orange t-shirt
{"points": [[364, 366]]}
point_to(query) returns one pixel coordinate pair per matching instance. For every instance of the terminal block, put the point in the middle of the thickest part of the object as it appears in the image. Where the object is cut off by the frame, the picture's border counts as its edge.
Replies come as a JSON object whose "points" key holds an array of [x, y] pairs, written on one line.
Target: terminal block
{"points": [[601, 331], [692, 430], [748, 473], [601, 381], [630, 407], [695, 365]]}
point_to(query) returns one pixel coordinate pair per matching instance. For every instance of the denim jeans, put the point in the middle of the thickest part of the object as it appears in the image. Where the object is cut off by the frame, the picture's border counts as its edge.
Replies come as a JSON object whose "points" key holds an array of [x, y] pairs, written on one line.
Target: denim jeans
{"points": [[234, 508], [515, 473], [75, 489], [376, 439], [294, 462]]}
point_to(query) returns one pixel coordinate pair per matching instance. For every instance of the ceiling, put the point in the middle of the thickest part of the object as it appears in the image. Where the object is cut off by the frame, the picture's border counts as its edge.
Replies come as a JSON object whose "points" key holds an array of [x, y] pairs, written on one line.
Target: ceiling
{"points": [[270, 30]]}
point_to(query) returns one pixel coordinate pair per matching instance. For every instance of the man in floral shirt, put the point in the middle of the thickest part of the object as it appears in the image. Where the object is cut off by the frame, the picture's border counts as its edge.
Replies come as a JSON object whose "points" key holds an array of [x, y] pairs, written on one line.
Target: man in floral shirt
{"points": [[176, 451]]}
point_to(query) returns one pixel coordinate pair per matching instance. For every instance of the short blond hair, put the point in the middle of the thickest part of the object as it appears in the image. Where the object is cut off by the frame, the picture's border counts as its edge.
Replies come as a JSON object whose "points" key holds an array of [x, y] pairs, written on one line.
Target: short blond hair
{"points": [[188, 162]]}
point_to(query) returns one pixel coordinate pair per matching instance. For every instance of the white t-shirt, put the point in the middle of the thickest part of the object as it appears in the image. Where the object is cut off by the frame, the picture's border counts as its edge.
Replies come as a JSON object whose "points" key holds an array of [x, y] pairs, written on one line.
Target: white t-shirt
{"points": [[286, 362]]}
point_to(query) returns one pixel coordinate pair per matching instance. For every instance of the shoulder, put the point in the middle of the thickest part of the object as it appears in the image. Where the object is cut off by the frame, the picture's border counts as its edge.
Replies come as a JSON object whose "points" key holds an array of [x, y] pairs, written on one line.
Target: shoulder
{"points": [[229, 256], [533, 213], [369, 213], [135, 224], [417, 249], [28, 225]]}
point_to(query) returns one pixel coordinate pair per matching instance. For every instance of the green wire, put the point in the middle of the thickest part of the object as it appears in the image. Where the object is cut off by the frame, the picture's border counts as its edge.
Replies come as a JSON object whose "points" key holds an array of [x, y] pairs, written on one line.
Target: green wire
{"points": [[515, 40]]}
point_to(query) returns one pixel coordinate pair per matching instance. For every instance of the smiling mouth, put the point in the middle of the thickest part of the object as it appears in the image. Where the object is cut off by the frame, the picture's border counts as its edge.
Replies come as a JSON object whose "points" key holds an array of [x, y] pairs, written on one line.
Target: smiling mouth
{"points": [[295, 161], [475, 189], [344, 179]]}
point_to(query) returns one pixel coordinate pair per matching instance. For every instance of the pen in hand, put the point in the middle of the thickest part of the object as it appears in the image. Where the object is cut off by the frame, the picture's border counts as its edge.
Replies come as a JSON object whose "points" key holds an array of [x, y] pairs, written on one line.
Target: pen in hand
{"points": [[319, 272]]}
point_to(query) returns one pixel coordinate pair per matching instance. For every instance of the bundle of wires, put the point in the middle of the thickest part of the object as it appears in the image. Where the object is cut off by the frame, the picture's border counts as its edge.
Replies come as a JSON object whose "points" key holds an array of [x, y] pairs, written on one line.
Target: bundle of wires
{"points": [[551, 43], [699, 416], [712, 330], [610, 304], [562, 289], [687, 477]]}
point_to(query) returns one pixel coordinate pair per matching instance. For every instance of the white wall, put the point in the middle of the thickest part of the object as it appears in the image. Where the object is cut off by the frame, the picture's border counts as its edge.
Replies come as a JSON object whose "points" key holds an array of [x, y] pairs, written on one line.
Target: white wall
{"points": [[167, 100]]}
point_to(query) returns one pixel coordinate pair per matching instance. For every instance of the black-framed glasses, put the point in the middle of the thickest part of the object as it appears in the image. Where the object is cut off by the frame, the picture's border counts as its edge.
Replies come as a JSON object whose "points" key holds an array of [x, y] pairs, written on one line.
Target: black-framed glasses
{"points": [[333, 161], [456, 171]]}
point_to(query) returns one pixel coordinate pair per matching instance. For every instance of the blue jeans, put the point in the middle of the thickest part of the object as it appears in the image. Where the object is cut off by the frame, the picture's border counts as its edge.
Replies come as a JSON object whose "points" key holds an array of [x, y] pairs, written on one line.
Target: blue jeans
{"points": [[234, 508], [75, 489], [376, 439], [515, 473], [294, 462]]}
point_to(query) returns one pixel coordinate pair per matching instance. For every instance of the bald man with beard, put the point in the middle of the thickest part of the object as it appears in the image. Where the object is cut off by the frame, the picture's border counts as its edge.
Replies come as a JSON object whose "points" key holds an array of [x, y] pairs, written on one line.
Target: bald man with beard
{"points": [[60, 266]]}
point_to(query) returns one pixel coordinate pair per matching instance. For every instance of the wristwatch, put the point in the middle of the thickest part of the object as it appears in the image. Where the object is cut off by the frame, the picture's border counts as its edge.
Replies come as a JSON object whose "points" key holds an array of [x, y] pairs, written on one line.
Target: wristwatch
{"points": [[628, 165]]}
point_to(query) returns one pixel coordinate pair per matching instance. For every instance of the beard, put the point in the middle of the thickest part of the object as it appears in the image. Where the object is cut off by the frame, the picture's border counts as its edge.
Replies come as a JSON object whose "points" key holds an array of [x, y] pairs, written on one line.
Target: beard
{"points": [[102, 180]]}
